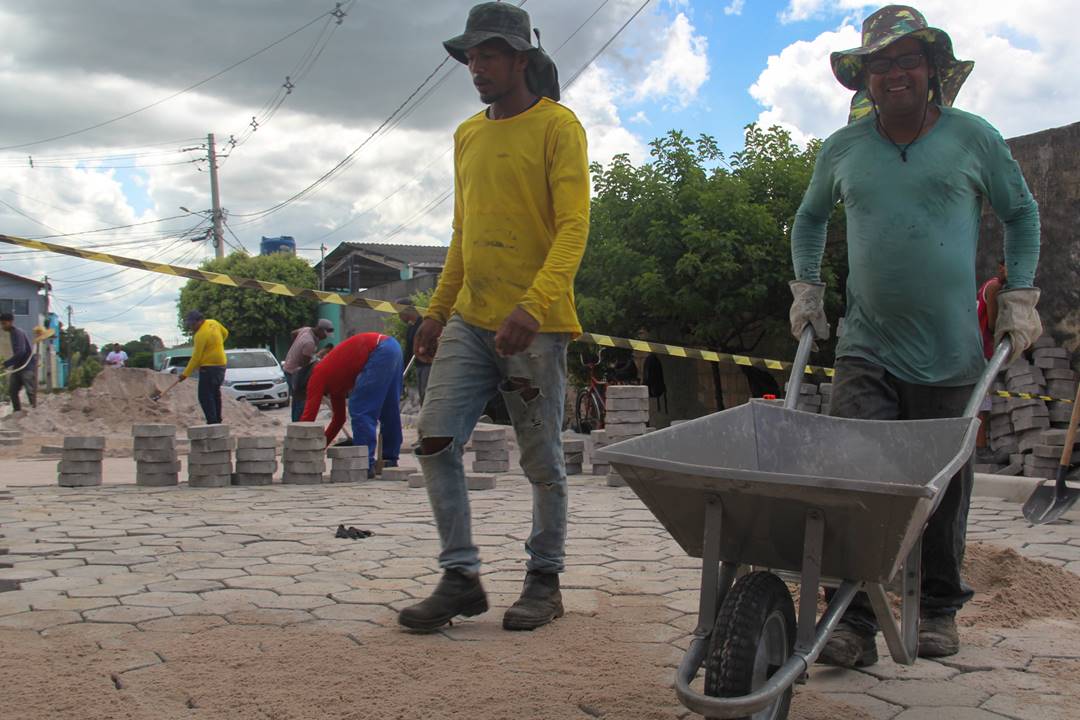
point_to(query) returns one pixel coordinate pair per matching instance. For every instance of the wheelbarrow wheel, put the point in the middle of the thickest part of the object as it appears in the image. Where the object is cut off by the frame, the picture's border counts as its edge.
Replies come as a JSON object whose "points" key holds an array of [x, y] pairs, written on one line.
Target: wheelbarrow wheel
{"points": [[754, 635]]}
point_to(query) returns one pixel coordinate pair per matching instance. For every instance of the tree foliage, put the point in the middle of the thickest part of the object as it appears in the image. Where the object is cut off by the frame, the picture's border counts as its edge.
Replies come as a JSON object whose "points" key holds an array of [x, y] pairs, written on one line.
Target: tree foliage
{"points": [[74, 341], [253, 318], [694, 247]]}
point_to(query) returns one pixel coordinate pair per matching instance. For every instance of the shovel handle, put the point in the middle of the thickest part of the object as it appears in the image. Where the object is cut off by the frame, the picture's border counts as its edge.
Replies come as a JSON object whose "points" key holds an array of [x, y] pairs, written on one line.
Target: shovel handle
{"points": [[1070, 434]]}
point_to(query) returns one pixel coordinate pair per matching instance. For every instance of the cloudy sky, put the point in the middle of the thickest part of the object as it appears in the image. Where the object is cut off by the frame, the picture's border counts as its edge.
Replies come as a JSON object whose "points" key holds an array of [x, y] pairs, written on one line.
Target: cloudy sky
{"points": [[78, 74]]}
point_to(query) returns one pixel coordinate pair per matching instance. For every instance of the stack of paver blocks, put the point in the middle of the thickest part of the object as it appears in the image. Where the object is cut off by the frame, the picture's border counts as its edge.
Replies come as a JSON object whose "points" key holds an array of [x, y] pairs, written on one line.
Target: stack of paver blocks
{"points": [[210, 457], [573, 454], [10, 436], [305, 454], [599, 440], [1027, 429], [256, 460], [825, 390], [626, 415], [80, 465], [349, 463], [156, 462], [492, 450]]}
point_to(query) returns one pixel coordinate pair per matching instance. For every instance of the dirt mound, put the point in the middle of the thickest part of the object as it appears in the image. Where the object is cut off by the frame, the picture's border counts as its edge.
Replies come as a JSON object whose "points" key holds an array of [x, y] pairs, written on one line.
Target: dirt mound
{"points": [[1011, 589], [120, 398]]}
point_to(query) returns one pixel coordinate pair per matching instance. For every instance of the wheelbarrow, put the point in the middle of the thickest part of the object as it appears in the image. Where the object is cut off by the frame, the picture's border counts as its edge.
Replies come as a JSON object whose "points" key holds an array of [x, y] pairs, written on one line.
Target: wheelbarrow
{"points": [[818, 500]]}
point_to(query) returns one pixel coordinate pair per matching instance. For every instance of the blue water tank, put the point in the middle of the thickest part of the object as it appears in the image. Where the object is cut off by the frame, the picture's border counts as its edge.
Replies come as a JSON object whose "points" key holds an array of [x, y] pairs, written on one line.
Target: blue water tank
{"points": [[284, 243]]}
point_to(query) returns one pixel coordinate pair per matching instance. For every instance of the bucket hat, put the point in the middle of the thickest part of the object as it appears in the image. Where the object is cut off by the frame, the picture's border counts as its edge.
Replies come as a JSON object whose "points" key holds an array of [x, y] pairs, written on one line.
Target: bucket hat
{"points": [[510, 23], [883, 28]]}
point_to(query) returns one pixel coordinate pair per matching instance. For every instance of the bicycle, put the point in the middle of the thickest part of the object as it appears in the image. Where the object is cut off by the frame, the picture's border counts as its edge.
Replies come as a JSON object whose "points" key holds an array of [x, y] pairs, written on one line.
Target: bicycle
{"points": [[590, 407]]}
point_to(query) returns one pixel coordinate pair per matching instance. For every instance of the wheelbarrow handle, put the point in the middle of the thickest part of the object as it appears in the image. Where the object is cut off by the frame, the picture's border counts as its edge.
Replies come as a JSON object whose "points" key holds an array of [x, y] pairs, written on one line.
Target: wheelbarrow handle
{"points": [[798, 368], [993, 367]]}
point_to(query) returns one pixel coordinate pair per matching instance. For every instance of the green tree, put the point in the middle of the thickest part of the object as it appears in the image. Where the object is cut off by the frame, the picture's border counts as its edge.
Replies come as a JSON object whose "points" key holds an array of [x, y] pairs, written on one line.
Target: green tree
{"points": [[75, 341], [694, 248], [141, 352], [253, 318]]}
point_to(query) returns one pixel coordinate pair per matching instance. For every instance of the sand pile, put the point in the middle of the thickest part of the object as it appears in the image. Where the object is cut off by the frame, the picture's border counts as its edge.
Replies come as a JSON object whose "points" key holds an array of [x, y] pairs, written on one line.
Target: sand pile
{"points": [[1011, 589], [120, 397]]}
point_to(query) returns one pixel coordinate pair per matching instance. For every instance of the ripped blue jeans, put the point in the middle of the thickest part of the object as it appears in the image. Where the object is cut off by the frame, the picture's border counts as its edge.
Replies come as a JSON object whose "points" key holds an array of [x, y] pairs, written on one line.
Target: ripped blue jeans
{"points": [[466, 373]]}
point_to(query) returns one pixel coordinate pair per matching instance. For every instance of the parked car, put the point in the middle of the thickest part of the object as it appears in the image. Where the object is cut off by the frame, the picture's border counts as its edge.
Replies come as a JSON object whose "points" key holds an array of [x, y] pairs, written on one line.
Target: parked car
{"points": [[256, 376], [175, 365]]}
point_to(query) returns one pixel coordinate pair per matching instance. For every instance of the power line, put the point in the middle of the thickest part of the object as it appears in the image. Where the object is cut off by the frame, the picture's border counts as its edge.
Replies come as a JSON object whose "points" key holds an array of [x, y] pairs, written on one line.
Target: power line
{"points": [[347, 160], [178, 93]]}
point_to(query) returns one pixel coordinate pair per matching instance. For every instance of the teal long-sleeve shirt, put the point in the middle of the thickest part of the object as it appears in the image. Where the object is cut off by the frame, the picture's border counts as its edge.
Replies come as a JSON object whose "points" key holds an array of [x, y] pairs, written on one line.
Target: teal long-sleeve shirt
{"points": [[912, 234]]}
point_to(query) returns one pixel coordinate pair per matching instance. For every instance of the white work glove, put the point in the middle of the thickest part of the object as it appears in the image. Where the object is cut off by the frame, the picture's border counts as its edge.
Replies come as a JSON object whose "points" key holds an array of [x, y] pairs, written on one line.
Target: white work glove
{"points": [[808, 308], [1018, 317]]}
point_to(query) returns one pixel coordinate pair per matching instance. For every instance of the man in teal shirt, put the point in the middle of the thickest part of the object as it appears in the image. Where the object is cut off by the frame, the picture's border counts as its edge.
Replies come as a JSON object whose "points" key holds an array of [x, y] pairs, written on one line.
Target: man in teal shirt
{"points": [[912, 173]]}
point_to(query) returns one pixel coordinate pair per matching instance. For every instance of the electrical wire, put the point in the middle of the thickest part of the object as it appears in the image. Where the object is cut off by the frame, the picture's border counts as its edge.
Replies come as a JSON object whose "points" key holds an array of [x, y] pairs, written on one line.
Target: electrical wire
{"points": [[176, 94]]}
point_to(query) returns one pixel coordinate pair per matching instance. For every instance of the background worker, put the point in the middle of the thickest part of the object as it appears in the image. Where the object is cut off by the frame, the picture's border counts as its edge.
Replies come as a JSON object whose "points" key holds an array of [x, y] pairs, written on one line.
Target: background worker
{"points": [[506, 299], [209, 359], [116, 358], [411, 317], [987, 308], [913, 173], [22, 364], [364, 372], [299, 359]]}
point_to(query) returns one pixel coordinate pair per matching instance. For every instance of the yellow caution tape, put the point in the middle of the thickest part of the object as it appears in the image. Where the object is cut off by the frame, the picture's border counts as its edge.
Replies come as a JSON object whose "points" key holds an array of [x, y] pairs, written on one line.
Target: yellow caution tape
{"points": [[393, 308]]}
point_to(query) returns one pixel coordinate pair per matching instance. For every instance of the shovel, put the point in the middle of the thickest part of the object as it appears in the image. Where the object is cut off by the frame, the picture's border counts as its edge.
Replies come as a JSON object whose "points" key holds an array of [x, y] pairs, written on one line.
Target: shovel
{"points": [[1049, 503], [158, 394]]}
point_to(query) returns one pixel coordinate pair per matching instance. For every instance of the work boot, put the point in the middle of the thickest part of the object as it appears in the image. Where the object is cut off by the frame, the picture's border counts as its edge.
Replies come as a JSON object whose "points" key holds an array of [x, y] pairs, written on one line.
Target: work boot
{"points": [[539, 604], [849, 648], [456, 594], [938, 636]]}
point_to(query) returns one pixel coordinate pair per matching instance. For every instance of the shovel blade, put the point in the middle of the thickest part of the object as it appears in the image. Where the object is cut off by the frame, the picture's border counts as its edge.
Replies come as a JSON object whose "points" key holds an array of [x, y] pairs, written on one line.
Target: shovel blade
{"points": [[1048, 503]]}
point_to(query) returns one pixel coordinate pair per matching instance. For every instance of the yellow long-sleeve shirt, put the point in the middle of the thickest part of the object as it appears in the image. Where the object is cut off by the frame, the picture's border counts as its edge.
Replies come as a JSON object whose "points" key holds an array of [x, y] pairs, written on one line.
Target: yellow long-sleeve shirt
{"points": [[521, 219], [209, 347]]}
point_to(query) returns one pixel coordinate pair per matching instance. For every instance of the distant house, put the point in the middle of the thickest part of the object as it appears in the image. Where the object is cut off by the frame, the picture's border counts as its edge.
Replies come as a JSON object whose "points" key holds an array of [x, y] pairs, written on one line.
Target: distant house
{"points": [[23, 298], [379, 271]]}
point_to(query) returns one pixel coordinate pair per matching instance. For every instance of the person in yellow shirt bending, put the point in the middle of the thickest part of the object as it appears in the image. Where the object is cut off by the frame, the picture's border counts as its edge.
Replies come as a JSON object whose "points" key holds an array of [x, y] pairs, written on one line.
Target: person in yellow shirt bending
{"points": [[209, 359], [503, 311]]}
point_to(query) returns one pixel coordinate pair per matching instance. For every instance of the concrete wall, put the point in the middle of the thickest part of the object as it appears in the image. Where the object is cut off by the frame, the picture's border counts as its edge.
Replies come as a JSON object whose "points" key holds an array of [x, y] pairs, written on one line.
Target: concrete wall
{"points": [[357, 320], [1051, 163]]}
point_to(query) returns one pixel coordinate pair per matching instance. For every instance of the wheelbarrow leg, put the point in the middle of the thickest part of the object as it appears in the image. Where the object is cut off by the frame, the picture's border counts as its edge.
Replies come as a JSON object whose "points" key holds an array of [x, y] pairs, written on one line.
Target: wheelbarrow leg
{"points": [[716, 577], [810, 580], [902, 639]]}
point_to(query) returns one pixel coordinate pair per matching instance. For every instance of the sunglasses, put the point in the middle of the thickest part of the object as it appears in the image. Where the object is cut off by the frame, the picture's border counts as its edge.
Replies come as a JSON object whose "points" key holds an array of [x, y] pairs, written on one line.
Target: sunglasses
{"points": [[880, 66]]}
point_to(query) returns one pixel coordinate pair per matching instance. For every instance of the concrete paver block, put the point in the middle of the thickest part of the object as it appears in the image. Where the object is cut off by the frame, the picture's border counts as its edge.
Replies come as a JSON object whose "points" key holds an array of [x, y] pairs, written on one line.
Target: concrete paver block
{"points": [[305, 445], [477, 481], [158, 468], [207, 432], [143, 479], [203, 470], [260, 442], [153, 430], [416, 480], [95, 456], [304, 430], [500, 455], [633, 404], [155, 456], [255, 454], [491, 466], [252, 467], [252, 479], [295, 478], [627, 391], [210, 481], [397, 474], [212, 445], [76, 467], [625, 418], [155, 444], [79, 480], [304, 467], [84, 442], [347, 451]]}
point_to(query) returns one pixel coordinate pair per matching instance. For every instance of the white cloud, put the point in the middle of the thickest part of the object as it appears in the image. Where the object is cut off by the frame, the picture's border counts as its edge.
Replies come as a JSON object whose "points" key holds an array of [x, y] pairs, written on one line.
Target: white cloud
{"points": [[593, 99], [735, 8], [640, 118], [1021, 60], [681, 69]]}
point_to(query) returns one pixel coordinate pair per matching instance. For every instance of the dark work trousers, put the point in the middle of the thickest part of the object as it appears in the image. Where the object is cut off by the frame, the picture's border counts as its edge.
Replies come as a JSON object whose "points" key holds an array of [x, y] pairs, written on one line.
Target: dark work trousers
{"points": [[298, 388], [865, 391], [210, 380], [25, 379]]}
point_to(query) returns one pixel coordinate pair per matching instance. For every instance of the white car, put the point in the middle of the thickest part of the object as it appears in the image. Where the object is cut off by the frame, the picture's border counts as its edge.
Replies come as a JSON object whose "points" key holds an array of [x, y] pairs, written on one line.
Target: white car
{"points": [[256, 376]]}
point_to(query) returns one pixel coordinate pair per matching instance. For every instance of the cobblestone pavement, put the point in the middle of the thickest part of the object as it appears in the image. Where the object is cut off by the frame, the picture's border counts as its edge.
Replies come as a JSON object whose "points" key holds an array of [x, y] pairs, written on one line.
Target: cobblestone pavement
{"points": [[105, 564]]}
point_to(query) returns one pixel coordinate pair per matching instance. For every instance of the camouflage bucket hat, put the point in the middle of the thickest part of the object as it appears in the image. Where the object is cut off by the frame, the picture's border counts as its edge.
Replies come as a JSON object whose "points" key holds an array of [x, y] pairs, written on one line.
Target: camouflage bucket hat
{"points": [[883, 28], [509, 23]]}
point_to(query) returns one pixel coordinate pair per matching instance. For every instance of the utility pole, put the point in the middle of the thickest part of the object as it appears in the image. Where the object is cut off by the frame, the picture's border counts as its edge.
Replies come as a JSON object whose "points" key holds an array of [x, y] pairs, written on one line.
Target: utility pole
{"points": [[69, 316], [48, 345], [215, 199], [322, 266]]}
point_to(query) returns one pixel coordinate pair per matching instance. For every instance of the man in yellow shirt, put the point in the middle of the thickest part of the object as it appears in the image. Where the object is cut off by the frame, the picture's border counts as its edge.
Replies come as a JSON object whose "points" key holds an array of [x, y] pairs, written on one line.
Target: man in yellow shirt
{"points": [[209, 359], [503, 311]]}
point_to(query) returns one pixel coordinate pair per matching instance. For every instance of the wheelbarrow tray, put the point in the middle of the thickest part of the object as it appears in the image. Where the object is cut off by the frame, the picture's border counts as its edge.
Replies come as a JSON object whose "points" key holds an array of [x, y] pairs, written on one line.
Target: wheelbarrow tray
{"points": [[875, 482]]}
